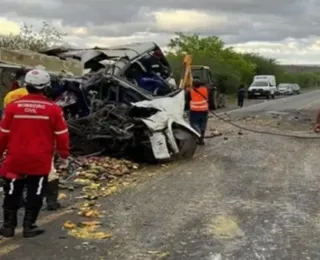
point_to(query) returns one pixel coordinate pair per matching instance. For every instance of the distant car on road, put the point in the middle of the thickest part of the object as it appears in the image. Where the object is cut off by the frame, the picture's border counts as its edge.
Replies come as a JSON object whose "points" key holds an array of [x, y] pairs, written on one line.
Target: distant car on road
{"points": [[262, 86], [285, 89], [296, 88]]}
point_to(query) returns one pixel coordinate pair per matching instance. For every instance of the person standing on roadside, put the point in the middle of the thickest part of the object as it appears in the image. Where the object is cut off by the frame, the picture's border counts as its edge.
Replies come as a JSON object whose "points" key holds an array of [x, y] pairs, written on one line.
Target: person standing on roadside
{"points": [[31, 129], [52, 189], [241, 95], [198, 98], [316, 126]]}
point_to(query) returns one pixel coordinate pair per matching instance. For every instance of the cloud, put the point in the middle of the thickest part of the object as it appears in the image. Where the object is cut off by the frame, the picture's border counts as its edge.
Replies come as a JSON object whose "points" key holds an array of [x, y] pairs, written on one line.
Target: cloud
{"points": [[8, 27], [187, 20], [273, 27], [290, 51]]}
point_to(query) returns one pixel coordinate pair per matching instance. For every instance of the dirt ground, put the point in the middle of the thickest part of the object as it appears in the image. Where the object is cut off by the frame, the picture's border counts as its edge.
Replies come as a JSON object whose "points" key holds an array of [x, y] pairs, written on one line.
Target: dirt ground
{"points": [[244, 196]]}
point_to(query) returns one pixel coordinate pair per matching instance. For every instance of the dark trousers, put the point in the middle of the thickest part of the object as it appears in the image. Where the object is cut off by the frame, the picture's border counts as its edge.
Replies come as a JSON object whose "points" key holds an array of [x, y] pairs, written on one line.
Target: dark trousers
{"points": [[13, 192], [198, 120], [51, 195], [240, 101]]}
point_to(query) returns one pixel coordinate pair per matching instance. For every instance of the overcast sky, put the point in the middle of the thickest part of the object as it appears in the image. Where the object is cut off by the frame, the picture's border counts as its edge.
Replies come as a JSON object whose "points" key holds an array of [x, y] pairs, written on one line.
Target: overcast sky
{"points": [[288, 30]]}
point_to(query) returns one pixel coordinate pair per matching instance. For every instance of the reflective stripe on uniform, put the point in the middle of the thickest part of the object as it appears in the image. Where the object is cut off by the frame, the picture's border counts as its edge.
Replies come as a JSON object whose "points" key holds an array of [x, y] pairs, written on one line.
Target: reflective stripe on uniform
{"points": [[199, 106], [4, 130], [31, 117], [198, 103], [34, 102], [40, 186], [204, 107], [61, 132], [11, 190]]}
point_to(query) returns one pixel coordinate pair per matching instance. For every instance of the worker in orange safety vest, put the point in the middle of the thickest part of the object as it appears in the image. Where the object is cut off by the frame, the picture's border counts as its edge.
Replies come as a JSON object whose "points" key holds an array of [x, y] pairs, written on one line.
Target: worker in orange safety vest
{"points": [[198, 98]]}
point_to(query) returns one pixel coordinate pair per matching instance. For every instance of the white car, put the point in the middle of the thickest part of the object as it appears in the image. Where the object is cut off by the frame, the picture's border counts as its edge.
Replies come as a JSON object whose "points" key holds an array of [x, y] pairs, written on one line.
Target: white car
{"points": [[285, 89], [296, 88], [261, 88]]}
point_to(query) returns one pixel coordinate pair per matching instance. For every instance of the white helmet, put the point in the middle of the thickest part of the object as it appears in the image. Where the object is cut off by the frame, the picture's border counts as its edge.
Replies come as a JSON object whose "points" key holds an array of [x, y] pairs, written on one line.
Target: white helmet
{"points": [[37, 78]]}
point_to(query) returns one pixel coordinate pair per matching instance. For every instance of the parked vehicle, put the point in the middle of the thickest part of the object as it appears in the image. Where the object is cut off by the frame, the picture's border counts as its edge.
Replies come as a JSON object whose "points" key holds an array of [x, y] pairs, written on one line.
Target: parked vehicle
{"points": [[296, 88], [285, 89], [262, 86], [203, 73], [270, 78]]}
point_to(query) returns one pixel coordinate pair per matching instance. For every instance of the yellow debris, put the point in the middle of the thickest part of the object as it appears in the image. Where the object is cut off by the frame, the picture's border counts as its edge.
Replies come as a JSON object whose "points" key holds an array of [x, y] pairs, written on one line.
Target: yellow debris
{"points": [[62, 196], [225, 227], [88, 212], [90, 223], [158, 254], [69, 225], [88, 233]]}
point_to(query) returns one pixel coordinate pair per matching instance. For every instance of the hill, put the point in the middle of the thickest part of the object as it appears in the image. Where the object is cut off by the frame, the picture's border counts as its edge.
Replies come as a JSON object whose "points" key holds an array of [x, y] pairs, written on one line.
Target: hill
{"points": [[301, 68]]}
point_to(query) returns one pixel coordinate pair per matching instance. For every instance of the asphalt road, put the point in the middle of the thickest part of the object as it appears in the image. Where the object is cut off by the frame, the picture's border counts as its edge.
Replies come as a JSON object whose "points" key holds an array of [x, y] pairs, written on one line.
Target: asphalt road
{"points": [[244, 197], [303, 102]]}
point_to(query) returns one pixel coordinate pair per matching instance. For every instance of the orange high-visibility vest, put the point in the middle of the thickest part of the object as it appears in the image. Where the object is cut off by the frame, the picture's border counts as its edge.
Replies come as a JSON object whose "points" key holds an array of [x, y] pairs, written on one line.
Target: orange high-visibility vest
{"points": [[199, 99]]}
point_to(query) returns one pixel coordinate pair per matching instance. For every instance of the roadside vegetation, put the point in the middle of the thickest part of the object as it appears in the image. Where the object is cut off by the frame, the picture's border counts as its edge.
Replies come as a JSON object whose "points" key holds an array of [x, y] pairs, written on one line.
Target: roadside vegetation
{"points": [[230, 68]]}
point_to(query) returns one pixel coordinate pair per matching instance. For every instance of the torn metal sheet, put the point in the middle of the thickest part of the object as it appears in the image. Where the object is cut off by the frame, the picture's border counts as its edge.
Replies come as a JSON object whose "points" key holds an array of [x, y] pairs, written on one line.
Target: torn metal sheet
{"points": [[159, 146], [31, 59], [170, 109]]}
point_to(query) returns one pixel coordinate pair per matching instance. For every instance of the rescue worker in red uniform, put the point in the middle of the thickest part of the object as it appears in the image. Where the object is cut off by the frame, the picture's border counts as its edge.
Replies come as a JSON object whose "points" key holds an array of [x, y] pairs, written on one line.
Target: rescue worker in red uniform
{"points": [[31, 130], [198, 98]]}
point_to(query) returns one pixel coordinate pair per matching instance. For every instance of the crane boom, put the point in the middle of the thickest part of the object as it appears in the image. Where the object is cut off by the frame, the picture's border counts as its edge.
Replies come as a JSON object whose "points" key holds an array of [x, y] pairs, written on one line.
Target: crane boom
{"points": [[186, 81]]}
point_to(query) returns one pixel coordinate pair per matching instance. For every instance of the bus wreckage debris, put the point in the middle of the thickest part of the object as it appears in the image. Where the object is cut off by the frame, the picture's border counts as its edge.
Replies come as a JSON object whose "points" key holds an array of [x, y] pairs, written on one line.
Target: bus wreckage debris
{"points": [[123, 104]]}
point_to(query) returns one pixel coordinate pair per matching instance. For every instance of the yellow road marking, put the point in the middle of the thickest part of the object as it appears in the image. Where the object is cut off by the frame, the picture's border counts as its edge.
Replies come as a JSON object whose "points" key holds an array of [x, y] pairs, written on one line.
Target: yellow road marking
{"points": [[43, 221], [309, 104], [4, 250], [8, 249]]}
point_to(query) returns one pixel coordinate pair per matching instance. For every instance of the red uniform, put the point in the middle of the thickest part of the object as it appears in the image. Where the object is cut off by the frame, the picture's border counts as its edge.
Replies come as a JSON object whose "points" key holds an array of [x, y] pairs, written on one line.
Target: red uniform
{"points": [[31, 129]]}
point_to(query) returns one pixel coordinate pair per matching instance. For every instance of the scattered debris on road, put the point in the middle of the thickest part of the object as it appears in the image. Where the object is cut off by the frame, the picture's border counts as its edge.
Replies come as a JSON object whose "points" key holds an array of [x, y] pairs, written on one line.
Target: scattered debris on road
{"points": [[225, 227], [99, 177], [158, 254], [86, 230], [213, 133], [85, 170]]}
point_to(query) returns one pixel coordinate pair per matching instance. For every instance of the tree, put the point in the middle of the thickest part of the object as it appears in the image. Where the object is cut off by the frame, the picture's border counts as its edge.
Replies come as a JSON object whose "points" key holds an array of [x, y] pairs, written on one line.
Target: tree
{"points": [[229, 67], [29, 39]]}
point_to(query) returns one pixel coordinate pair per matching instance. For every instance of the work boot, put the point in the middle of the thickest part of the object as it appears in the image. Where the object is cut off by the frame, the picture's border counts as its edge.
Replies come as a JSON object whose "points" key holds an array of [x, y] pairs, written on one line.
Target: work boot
{"points": [[28, 225], [34, 226], [201, 141], [52, 193], [9, 223], [34, 219]]}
